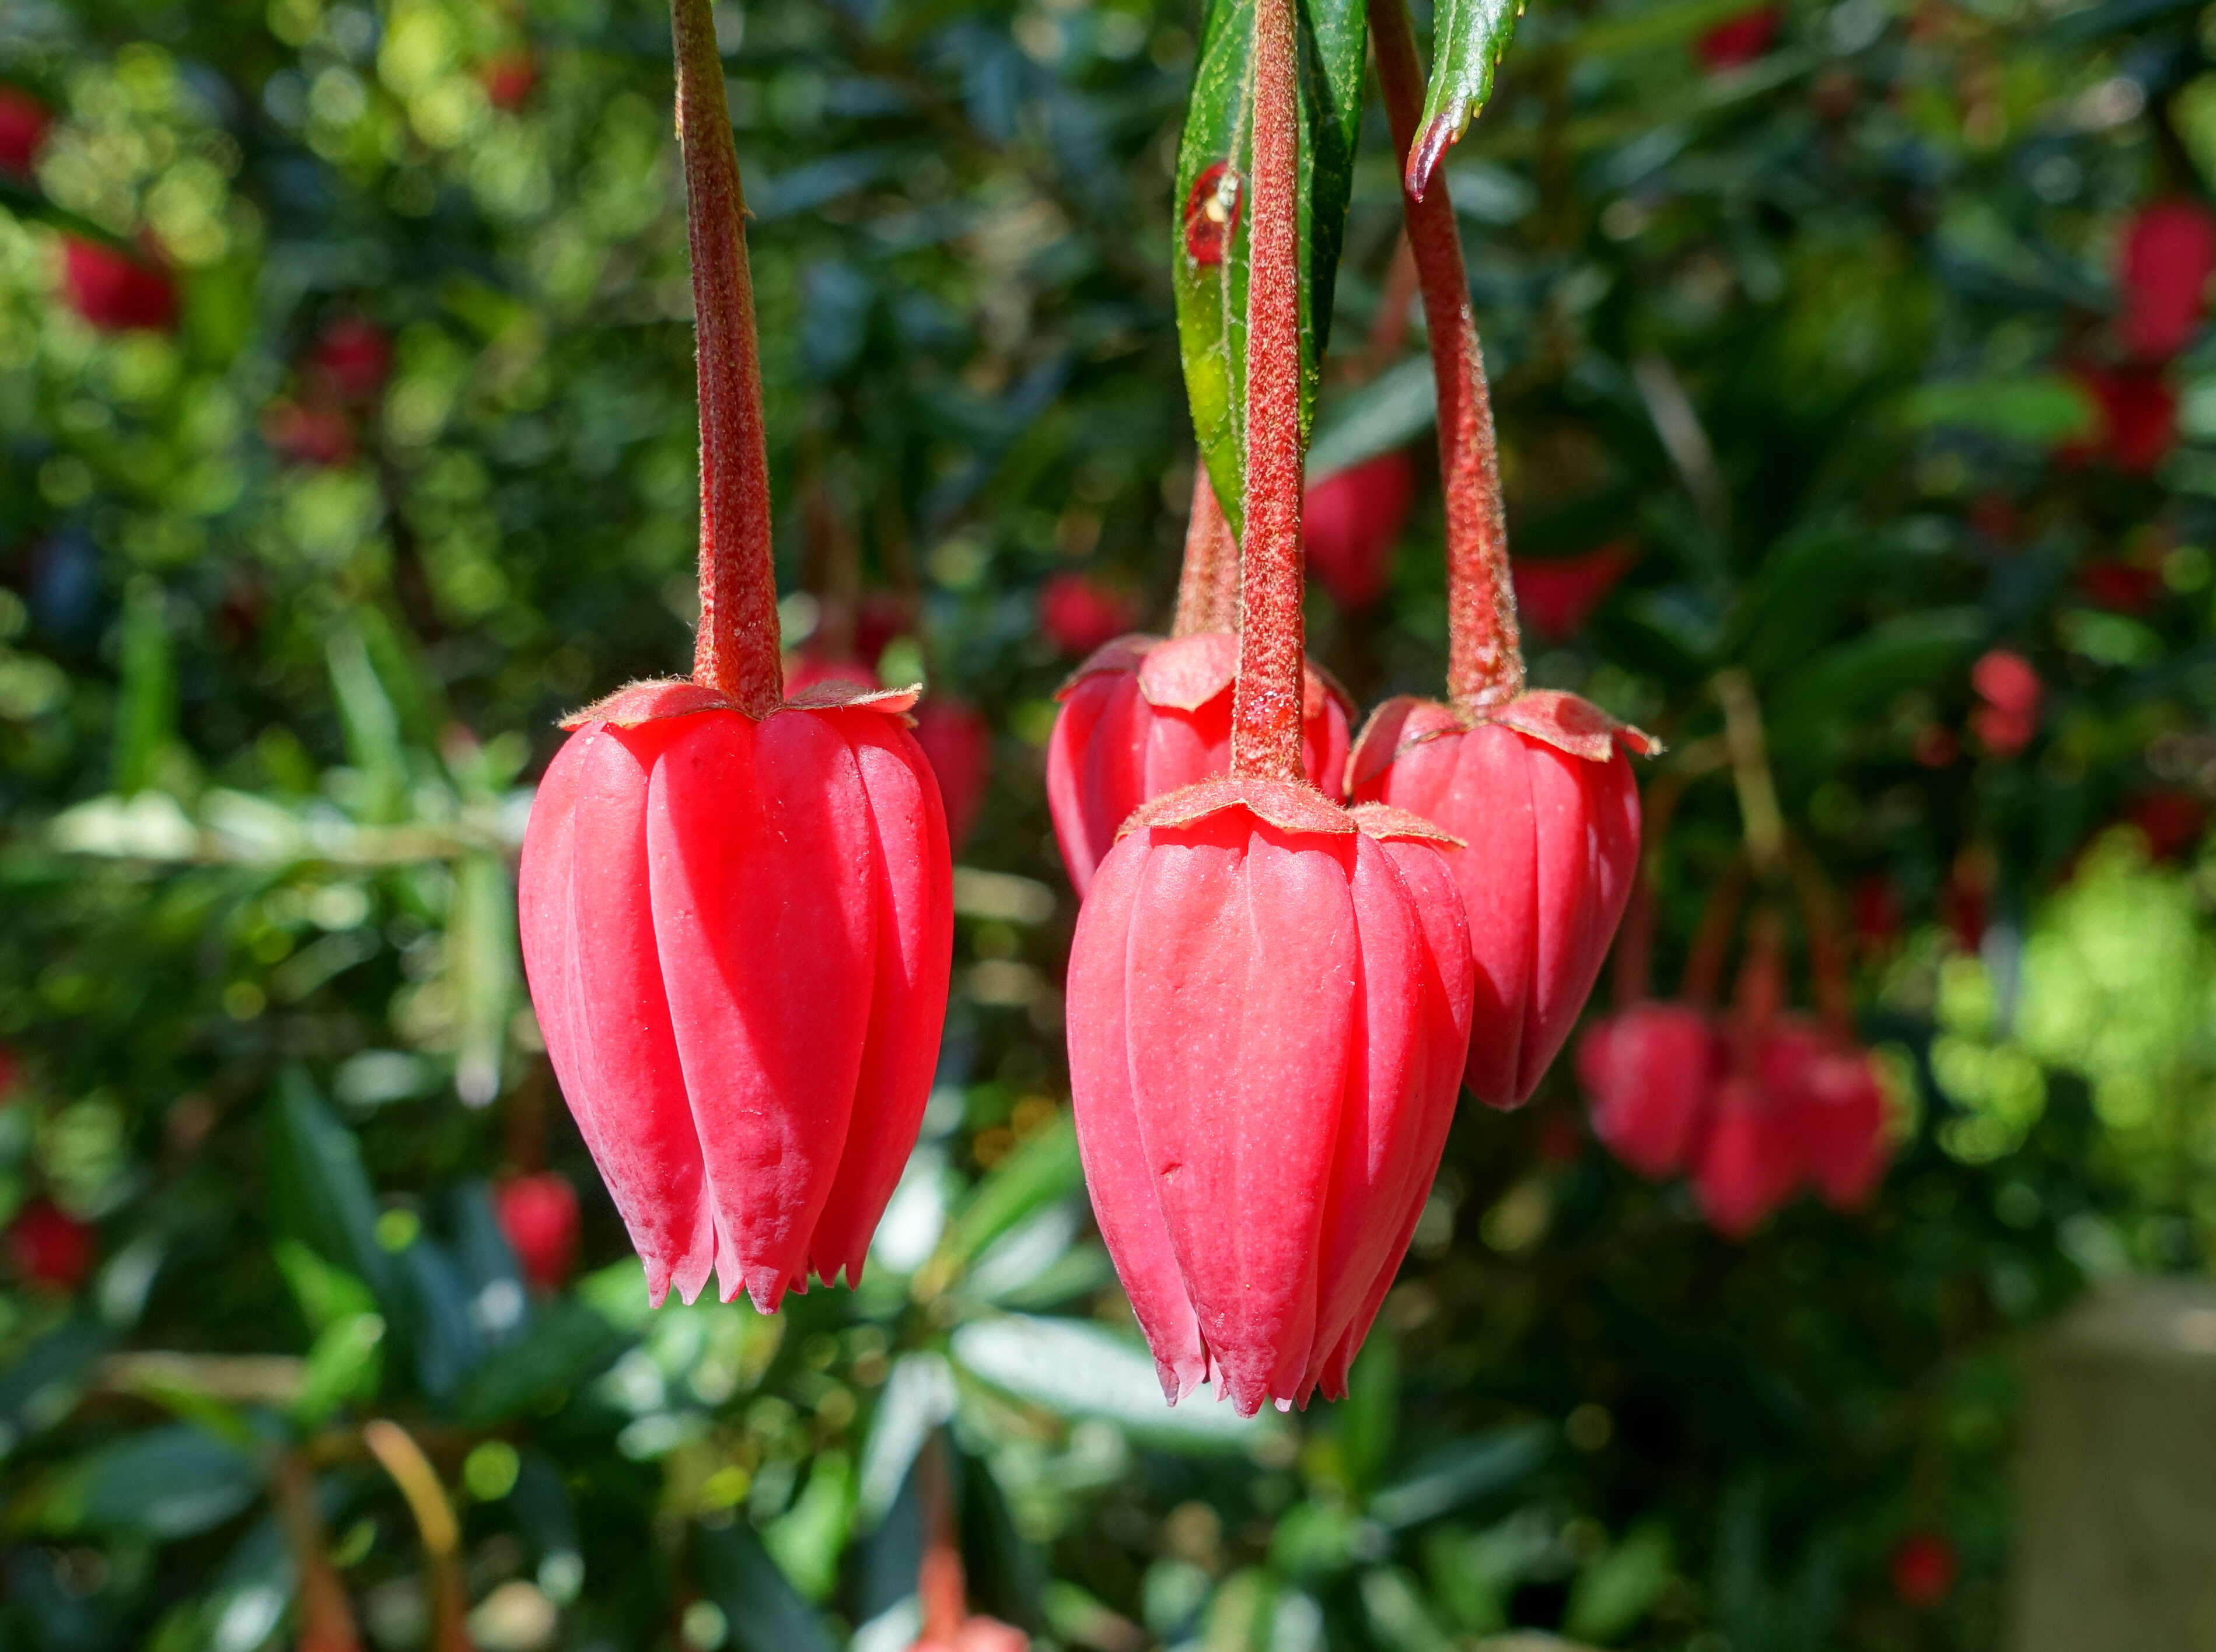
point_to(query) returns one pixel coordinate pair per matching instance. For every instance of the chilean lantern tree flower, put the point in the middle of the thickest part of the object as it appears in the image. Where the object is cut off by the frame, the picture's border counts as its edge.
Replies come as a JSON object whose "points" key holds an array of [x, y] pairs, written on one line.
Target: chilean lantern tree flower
{"points": [[114, 290], [2168, 254], [1146, 715], [736, 906], [538, 1215], [1534, 782], [1268, 996]]}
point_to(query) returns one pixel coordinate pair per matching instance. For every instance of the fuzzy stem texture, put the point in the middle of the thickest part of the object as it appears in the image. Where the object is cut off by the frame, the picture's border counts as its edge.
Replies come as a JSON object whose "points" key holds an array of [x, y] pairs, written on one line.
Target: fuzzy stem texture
{"points": [[736, 650], [1485, 659], [1265, 706], [1207, 583]]}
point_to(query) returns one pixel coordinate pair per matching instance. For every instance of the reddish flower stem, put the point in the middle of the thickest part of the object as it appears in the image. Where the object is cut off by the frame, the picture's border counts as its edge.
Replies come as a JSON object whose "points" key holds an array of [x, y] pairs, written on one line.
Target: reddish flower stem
{"points": [[736, 648], [1208, 584], [1484, 660], [1265, 704]]}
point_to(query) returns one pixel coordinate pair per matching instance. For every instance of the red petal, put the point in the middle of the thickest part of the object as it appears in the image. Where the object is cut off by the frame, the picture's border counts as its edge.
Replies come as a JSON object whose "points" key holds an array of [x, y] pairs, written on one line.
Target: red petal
{"points": [[915, 901], [1242, 964], [591, 956], [763, 870], [1124, 1202]]}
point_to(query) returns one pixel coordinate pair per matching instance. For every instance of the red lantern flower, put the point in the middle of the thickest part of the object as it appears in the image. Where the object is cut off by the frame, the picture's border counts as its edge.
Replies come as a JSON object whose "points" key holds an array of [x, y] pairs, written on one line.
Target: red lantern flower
{"points": [[736, 906], [2169, 252], [49, 1248], [1559, 594], [2171, 822], [1839, 1120], [738, 932], [1352, 520], [2126, 587], [1079, 614], [1649, 1071], [1923, 1567], [1144, 716], [2135, 418], [351, 359], [309, 435], [959, 743], [1746, 1166], [1543, 797], [113, 290], [810, 668], [1268, 1010], [539, 1214], [24, 122], [1738, 41]]}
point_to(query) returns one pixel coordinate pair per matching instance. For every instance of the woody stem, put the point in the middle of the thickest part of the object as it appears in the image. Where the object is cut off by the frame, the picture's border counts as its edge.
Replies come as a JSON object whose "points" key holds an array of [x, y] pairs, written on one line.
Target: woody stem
{"points": [[736, 648], [1265, 706], [1207, 583], [1485, 659]]}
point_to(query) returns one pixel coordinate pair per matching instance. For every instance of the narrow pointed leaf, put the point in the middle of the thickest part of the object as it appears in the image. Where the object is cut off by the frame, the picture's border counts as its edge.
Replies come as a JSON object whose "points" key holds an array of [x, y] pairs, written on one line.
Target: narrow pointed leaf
{"points": [[1467, 40], [1210, 250]]}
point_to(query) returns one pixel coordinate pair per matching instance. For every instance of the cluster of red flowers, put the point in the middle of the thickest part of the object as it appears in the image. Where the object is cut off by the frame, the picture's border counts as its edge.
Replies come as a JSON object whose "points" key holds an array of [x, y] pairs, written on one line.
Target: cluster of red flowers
{"points": [[2164, 261], [1750, 1112], [341, 376]]}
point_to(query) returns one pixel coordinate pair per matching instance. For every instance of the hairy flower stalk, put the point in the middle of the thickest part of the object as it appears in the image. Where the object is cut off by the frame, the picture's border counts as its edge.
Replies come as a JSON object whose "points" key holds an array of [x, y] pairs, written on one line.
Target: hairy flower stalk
{"points": [[1534, 782], [1269, 996], [737, 908]]}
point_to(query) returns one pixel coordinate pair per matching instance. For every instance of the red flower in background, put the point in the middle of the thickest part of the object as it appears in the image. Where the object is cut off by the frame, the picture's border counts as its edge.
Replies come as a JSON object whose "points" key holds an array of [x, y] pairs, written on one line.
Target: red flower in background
{"points": [[351, 359], [1350, 522], [508, 79], [2169, 252], [308, 436], [539, 1214], [1649, 1071], [1923, 1567], [1558, 594], [1739, 40], [49, 1248], [959, 743], [2172, 823], [2126, 587], [1874, 909], [808, 668], [2009, 694], [2136, 421], [113, 290], [11, 1074], [1079, 614], [24, 123], [1268, 1011]]}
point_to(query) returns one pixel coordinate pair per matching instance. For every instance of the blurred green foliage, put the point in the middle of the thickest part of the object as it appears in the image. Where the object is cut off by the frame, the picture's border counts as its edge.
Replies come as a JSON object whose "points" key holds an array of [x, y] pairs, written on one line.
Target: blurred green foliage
{"points": [[281, 650]]}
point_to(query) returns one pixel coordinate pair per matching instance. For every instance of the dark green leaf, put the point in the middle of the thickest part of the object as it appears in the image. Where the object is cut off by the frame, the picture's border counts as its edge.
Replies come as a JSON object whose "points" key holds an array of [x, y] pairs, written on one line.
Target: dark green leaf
{"points": [[566, 1344], [321, 1191], [1849, 679], [1211, 288], [763, 1612], [167, 1482], [1461, 1473], [1041, 1170], [1467, 40]]}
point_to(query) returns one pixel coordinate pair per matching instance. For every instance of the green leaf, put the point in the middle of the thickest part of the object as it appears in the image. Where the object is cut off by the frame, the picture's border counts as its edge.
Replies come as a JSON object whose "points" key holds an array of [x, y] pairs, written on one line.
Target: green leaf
{"points": [[1211, 291], [807, 1538], [1391, 411], [1614, 1592], [1366, 1418], [2040, 410], [1461, 1472], [146, 700], [565, 1344], [1080, 1369], [1467, 40], [762, 1611], [1849, 678], [372, 726], [322, 1193], [482, 973], [917, 1397], [1044, 1168], [167, 1482], [343, 1367]]}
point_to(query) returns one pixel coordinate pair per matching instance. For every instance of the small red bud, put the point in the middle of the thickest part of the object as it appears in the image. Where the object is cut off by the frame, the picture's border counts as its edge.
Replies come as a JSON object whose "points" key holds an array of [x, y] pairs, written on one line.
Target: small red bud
{"points": [[49, 1248], [309, 435], [1350, 523], [113, 290], [351, 358], [1738, 41], [510, 79], [1924, 1564], [2168, 254], [2126, 587], [24, 123], [539, 1214], [2136, 418], [2006, 723], [1558, 594]]}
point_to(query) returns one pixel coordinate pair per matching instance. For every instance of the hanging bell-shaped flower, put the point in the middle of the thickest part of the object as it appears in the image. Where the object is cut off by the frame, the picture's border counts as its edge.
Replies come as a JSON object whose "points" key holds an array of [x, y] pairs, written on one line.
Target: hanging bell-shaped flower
{"points": [[1541, 791], [1649, 1070], [1268, 1007], [1147, 715], [1350, 522]]}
